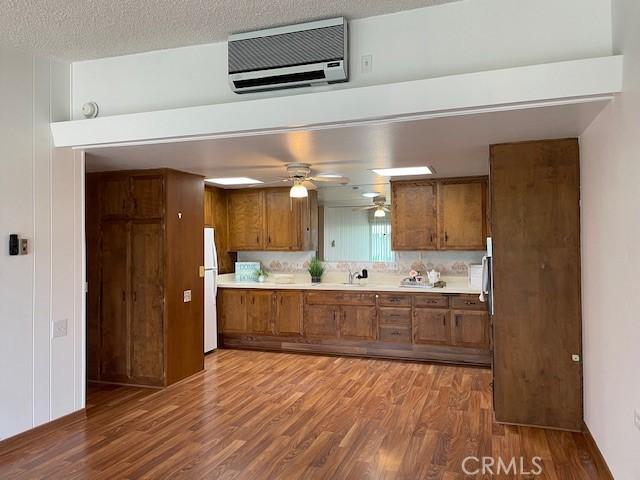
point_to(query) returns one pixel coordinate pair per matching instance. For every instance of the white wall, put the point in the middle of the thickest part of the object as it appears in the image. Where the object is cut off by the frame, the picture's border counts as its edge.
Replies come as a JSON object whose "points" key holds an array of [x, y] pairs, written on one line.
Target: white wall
{"points": [[461, 37], [40, 199], [610, 165]]}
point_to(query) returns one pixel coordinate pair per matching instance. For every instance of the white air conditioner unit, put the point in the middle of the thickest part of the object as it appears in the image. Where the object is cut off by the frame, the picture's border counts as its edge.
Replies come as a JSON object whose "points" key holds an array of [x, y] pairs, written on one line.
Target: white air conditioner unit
{"points": [[302, 55]]}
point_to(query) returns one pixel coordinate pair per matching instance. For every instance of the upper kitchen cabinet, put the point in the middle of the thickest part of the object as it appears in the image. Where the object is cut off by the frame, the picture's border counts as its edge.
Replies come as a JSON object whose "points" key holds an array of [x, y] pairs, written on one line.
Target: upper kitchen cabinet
{"points": [[246, 220], [216, 216], [462, 218], [268, 219], [439, 214], [413, 215]]}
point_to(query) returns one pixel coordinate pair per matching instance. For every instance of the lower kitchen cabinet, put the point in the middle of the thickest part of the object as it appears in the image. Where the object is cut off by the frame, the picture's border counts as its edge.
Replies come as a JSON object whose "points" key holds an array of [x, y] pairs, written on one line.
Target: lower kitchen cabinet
{"points": [[358, 323], [288, 313], [232, 308], [470, 329], [431, 326], [413, 326]]}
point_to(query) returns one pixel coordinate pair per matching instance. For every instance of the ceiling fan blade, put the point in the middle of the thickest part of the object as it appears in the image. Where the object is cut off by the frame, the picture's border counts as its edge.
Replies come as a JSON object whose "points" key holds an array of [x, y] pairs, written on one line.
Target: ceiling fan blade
{"points": [[326, 179], [309, 185], [363, 208], [386, 209], [275, 182]]}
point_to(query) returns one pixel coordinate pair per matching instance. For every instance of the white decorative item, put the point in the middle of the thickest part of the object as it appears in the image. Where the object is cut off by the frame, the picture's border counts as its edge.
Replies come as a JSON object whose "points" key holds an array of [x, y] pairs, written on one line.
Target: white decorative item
{"points": [[475, 276], [261, 278], [433, 276], [247, 271]]}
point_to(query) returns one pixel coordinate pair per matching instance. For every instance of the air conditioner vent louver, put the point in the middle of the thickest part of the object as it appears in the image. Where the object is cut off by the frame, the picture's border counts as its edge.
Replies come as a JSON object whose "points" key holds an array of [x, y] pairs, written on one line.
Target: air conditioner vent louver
{"points": [[287, 57], [286, 50]]}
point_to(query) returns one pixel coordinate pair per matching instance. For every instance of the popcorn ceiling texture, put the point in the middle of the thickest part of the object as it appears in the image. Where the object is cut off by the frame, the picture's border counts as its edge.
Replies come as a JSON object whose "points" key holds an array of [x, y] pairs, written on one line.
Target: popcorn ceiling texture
{"points": [[80, 29], [447, 263]]}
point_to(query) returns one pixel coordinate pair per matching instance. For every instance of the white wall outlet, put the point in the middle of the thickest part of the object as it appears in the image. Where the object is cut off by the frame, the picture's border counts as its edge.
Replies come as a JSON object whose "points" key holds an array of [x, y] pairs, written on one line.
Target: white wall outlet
{"points": [[636, 418], [186, 296], [60, 328], [366, 64]]}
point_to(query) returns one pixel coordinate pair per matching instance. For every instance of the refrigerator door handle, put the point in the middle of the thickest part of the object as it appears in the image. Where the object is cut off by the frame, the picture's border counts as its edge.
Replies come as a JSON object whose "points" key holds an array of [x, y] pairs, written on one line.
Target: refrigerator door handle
{"points": [[485, 279]]}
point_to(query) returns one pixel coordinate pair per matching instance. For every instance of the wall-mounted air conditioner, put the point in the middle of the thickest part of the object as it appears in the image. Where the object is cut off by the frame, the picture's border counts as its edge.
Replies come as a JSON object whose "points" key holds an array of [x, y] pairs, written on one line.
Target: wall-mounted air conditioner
{"points": [[300, 55]]}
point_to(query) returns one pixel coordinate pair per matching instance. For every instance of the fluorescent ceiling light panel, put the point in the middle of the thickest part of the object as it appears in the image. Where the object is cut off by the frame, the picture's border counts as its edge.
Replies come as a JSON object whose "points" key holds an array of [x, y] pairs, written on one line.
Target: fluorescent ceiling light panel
{"points": [[402, 171], [370, 194], [233, 181], [329, 175]]}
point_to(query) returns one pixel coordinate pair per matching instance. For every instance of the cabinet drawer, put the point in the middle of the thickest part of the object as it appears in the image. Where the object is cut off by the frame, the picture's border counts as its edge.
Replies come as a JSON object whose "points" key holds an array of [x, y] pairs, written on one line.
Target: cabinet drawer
{"points": [[340, 298], [434, 301], [392, 300], [391, 333], [395, 316], [467, 302]]}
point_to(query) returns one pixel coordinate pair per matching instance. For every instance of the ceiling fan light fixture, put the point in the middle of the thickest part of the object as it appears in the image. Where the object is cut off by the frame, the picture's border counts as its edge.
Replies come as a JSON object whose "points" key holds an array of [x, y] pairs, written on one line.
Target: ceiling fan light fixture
{"points": [[298, 191], [379, 213]]}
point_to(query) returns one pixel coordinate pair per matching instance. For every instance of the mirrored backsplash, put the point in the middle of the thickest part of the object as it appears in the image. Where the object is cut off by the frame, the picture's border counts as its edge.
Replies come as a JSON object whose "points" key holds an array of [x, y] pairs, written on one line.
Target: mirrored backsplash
{"points": [[449, 263]]}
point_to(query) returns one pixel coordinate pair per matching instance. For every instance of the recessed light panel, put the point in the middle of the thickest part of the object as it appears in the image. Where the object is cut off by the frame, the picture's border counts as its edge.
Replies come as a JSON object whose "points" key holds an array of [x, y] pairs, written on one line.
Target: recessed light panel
{"points": [[233, 181], [402, 172], [370, 194]]}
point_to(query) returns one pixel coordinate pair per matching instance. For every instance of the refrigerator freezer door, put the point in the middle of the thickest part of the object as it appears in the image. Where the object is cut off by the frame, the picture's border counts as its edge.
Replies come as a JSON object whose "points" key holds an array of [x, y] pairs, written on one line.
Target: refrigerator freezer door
{"points": [[210, 321]]}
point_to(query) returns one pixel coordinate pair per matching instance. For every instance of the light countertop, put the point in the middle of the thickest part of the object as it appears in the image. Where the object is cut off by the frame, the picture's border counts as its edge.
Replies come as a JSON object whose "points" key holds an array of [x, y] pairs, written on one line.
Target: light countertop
{"points": [[454, 285]]}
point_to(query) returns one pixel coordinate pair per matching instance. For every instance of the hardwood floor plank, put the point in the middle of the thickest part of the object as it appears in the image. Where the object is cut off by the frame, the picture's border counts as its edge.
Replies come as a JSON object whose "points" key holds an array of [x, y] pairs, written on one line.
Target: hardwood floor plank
{"points": [[261, 415]]}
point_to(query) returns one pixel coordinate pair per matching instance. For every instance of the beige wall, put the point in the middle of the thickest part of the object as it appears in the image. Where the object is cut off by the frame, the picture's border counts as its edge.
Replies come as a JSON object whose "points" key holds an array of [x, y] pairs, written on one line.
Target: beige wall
{"points": [[610, 164]]}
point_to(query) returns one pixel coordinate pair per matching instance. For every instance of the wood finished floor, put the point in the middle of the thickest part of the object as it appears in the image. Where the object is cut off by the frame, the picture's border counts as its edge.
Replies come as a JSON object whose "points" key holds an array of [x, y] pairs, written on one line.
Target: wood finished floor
{"points": [[260, 415]]}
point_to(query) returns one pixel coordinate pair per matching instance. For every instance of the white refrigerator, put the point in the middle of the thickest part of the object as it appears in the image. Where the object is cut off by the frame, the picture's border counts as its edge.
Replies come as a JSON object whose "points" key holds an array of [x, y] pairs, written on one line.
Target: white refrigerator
{"points": [[210, 290]]}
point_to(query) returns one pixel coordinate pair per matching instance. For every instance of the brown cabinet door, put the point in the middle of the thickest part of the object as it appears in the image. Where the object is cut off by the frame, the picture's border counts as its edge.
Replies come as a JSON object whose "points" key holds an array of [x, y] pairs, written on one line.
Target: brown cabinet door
{"points": [[288, 318], [431, 326], [413, 216], [246, 212], [208, 208], [321, 321], [114, 196], [233, 311], [147, 303], [462, 215], [358, 323], [259, 311], [147, 194], [114, 299], [282, 217], [470, 329]]}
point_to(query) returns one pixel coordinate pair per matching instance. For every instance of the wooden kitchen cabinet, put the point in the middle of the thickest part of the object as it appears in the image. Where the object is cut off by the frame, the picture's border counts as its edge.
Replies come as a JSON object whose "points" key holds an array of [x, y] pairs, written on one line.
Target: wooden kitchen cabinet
{"points": [[470, 329], [462, 220], [448, 214], [413, 215], [431, 326], [358, 322], [216, 216], [139, 329], [233, 311], [246, 220], [259, 311], [288, 313], [282, 220], [321, 321]]}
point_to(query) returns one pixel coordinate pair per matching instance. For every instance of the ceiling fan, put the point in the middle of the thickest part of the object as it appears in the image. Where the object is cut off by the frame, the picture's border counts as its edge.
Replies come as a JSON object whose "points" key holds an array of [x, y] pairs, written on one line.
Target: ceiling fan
{"points": [[379, 206], [299, 174]]}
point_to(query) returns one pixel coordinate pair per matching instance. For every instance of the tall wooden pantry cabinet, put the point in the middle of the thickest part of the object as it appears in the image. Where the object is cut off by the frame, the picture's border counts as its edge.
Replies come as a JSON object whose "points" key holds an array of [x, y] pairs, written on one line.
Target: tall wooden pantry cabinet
{"points": [[145, 294]]}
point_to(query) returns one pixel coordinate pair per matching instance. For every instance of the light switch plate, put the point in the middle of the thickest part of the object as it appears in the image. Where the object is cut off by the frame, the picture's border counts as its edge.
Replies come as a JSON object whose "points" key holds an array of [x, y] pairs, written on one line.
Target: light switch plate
{"points": [[60, 328], [186, 296], [366, 64], [636, 418]]}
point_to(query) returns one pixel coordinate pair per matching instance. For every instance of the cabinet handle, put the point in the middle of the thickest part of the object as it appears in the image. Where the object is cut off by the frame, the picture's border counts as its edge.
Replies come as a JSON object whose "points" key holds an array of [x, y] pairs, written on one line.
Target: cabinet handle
{"points": [[469, 302], [241, 300], [457, 320], [135, 205], [135, 296], [124, 205], [269, 239], [124, 296], [444, 322], [257, 238], [446, 237], [431, 238], [395, 334]]}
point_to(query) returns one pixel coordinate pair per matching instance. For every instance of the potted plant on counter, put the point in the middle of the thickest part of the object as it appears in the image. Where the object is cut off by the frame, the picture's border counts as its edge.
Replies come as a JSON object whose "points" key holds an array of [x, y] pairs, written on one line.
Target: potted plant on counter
{"points": [[316, 269], [262, 274]]}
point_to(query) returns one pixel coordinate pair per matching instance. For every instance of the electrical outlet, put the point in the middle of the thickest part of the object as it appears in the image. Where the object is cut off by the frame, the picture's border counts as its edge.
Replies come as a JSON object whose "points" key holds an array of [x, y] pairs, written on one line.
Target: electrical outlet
{"points": [[186, 296], [636, 418], [366, 64], [60, 328]]}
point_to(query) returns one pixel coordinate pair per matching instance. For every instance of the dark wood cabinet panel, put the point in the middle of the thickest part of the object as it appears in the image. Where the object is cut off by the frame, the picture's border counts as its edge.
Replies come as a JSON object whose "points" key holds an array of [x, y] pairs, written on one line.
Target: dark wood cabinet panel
{"points": [[281, 218], [114, 298], [147, 196], [115, 196], [246, 218], [535, 214], [394, 334], [462, 221], [259, 311], [431, 326], [147, 310], [233, 311], [321, 321], [413, 216], [216, 216], [470, 329], [467, 302], [358, 323], [431, 301], [289, 310], [394, 315], [394, 300]]}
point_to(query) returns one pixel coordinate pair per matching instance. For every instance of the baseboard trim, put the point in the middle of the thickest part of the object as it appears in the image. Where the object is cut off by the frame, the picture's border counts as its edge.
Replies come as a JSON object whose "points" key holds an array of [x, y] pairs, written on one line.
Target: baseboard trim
{"points": [[603, 469]]}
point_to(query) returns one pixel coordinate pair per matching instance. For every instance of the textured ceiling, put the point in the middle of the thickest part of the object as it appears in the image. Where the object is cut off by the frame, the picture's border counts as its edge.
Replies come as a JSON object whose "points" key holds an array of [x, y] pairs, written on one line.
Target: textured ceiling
{"points": [[81, 29]]}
